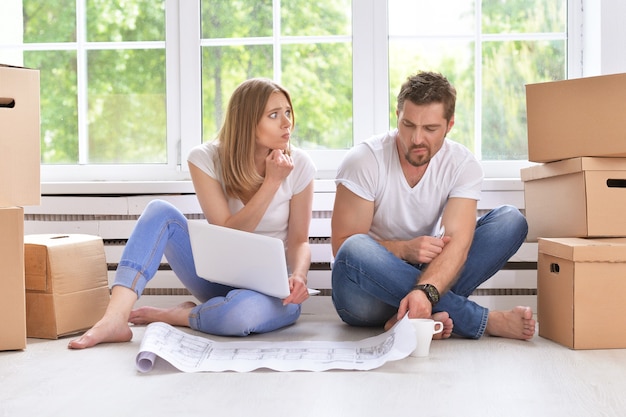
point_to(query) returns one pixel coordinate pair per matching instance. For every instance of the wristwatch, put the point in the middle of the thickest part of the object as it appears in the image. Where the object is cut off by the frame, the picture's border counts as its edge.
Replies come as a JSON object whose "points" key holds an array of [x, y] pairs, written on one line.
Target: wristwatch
{"points": [[431, 292]]}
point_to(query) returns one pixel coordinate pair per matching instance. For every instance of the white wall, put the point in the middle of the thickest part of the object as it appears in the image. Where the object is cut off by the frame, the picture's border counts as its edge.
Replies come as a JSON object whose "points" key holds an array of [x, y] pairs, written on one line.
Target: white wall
{"points": [[604, 37]]}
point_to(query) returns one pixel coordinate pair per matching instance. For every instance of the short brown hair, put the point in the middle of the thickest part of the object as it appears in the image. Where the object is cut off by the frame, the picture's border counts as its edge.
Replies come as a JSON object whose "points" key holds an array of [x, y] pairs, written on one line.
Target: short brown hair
{"points": [[426, 88]]}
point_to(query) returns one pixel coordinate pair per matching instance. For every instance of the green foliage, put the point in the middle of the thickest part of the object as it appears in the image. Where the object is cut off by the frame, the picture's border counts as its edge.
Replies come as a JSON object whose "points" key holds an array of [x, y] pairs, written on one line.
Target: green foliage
{"points": [[507, 66], [454, 60], [125, 20], [523, 16], [125, 94], [318, 75], [125, 87]]}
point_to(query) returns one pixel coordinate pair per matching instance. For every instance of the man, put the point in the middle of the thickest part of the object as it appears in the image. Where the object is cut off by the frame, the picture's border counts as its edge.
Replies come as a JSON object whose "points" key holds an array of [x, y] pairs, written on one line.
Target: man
{"points": [[393, 193]]}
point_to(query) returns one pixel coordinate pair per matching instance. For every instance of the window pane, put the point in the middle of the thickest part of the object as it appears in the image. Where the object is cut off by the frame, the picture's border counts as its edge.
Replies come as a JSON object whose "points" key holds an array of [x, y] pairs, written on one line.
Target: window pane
{"points": [[316, 18], [317, 71], [520, 42], [524, 16], [236, 19], [48, 21], [223, 69], [319, 79], [127, 106], [431, 18], [453, 59], [58, 105], [507, 68], [125, 20]]}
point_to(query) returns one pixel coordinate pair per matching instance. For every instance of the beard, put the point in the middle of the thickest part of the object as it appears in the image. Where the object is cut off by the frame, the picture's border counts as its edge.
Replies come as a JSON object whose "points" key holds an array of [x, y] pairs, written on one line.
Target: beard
{"points": [[420, 160]]}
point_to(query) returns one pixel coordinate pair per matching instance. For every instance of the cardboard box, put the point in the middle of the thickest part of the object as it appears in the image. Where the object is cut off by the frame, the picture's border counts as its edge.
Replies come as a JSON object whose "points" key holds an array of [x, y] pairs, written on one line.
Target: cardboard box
{"points": [[66, 284], [20, 153], [12, 301], [580, 292], [576, 118], [579, 197]]}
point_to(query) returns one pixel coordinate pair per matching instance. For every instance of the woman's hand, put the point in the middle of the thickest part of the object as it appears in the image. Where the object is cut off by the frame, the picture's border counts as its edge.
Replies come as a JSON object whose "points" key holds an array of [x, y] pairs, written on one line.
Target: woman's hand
{"points": [[297, 289], [278, 166]]}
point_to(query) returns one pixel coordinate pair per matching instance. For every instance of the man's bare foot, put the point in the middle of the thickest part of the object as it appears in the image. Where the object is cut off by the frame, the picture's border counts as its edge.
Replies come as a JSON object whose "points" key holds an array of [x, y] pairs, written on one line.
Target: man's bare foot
{"points": [[442, 316], [517, 323], [108, 330], [176, 316], [391, 322]]}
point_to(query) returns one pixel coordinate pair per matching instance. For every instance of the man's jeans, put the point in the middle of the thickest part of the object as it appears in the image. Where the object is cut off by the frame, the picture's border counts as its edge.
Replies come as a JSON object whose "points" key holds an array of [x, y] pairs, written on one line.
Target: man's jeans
{"points": [[368, 281]]}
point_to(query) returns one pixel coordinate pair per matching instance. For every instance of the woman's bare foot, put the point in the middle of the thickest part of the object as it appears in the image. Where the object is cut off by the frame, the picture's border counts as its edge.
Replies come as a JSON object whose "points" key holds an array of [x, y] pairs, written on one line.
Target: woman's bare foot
{"points": [[176, 316], [110, 329], [113, 326], [517, 323], [442, 316]]}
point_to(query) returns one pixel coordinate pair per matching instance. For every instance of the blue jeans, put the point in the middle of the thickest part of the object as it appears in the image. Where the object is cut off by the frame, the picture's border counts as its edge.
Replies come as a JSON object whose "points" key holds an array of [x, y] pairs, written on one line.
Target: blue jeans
{"points": [[369, 282], [226, 311]]}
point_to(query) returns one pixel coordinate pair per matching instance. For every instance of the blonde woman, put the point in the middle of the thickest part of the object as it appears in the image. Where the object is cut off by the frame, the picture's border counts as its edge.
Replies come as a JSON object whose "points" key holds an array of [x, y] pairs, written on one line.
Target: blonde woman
{"points": [[249, 179]]}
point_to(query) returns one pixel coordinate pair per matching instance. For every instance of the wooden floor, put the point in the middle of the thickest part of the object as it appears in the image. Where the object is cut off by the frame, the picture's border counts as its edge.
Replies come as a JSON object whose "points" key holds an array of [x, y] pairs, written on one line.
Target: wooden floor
{"points": [[488, 377]]}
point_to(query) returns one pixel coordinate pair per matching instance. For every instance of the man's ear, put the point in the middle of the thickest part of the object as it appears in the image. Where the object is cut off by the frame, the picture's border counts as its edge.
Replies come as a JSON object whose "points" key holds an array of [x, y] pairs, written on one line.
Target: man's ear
{"points": [[450, 124]]}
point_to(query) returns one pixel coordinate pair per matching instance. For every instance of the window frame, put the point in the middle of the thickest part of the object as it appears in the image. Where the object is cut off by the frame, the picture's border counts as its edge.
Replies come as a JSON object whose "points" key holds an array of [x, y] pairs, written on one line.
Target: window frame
{"points": [[184, 101]]}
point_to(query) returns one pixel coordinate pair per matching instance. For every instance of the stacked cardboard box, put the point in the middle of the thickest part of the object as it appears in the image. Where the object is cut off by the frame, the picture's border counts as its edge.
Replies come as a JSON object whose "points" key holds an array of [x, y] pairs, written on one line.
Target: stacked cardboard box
{"points": [[574, 201], [66, 283], [19, 186]]}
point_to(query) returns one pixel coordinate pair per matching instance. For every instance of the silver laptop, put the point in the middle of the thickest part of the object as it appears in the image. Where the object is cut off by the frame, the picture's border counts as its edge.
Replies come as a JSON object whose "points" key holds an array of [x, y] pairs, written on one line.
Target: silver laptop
{"points": [[239, 259]]}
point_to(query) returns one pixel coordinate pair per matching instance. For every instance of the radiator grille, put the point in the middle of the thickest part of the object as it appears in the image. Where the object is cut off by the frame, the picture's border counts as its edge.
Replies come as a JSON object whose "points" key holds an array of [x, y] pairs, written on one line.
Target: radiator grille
{"points": [[328, 292]]}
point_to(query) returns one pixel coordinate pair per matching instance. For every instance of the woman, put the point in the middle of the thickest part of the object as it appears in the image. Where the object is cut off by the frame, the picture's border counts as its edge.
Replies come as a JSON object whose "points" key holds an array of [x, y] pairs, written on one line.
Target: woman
{"points": [[249, 179]]}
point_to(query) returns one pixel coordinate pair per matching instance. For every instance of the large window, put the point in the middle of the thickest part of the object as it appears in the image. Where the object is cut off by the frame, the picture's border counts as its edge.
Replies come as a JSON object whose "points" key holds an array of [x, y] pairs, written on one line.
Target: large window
{"points": [[303, 44], [129, 86], [489, 50]]}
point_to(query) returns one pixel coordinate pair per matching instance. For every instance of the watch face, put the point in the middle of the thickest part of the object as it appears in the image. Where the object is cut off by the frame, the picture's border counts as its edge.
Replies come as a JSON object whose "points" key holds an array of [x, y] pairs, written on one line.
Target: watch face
{"points": [[432, 293]]}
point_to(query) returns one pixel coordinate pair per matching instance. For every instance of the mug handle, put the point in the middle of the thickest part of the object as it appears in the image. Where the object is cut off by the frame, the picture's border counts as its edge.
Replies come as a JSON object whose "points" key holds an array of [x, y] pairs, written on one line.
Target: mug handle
{"points": [[438, 327]]}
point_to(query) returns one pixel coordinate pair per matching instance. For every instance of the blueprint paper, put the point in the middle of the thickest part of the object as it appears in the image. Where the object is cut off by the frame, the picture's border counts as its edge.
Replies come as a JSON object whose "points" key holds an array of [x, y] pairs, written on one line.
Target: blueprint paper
{"points": [[190, 353]]}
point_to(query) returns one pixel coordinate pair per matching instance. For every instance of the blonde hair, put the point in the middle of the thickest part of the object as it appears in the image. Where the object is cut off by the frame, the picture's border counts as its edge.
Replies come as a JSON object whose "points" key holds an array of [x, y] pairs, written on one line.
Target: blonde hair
{"points": [[237, 136]]}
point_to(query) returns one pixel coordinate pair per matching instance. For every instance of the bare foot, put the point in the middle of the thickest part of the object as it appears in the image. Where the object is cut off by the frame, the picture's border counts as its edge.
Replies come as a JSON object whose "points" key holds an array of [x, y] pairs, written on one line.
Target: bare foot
{"points": [[442, 316], [176, 316], [391, 322], [517, 323], [110, 329]]}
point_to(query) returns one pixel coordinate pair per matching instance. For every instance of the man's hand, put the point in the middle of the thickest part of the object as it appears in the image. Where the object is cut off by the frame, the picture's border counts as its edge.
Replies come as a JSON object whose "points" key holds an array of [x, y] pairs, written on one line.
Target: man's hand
{"points": [[423, 249], [416, 304]]}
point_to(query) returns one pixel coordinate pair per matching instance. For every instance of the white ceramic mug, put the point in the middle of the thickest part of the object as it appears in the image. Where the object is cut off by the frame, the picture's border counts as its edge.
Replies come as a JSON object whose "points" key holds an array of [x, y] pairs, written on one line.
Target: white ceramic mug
{"points": [[424, 331]]}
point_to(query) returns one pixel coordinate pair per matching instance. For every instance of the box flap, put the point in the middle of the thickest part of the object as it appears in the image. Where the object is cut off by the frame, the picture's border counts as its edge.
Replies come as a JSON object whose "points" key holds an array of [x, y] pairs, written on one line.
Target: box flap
{"points": [[75, 262], [80, 310], [36, 267], [585, 249], [570, 166], [16, 67]]}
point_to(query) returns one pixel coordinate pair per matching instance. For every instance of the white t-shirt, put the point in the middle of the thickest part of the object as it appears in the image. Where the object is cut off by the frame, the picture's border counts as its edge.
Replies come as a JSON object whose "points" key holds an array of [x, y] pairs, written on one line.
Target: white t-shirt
{"points": [[372, 171], [275, 220]]}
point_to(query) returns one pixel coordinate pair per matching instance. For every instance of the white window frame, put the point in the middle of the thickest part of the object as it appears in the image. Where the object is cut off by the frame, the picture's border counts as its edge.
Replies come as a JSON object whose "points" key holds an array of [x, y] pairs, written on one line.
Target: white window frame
{"points": [[370, 82]]}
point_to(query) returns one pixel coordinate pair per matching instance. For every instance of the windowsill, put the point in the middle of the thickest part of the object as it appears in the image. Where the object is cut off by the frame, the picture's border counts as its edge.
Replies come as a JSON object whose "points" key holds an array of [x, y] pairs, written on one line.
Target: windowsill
{"points": [[186, 187]]}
